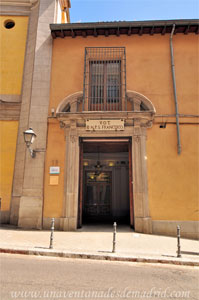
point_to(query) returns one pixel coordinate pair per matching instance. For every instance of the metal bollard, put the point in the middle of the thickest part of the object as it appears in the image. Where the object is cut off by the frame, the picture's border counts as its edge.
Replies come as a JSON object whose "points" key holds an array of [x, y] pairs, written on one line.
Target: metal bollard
{"points": [[114, 236], [51, 234], [178, 242]]}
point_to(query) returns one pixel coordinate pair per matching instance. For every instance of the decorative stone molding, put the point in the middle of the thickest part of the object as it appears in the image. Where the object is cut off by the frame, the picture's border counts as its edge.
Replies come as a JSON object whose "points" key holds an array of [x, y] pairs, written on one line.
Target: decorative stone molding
{"points": [[18, 7], [136, 138], [68, 221], [70, 103], [27, 3], [10, 98], [149, 124], [138, 100], [73, 138], [9, 110]]}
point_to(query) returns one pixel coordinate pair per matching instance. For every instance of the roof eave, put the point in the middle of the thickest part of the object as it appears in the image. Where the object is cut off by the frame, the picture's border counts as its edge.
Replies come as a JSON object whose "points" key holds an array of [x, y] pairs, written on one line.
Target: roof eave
{"points": [[106, 28]]}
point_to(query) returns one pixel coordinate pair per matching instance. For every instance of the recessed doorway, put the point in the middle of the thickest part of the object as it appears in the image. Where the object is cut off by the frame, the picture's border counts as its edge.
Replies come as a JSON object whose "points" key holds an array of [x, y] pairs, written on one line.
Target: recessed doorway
{"points": [[97, 201], [105, 194]]}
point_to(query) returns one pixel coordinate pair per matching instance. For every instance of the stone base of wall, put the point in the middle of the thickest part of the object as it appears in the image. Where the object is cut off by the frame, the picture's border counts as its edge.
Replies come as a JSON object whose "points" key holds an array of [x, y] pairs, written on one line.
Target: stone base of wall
{"points": [[65, 224], [189, 229], [4, 217], [143, 225], [14, 211], [30, 212]]}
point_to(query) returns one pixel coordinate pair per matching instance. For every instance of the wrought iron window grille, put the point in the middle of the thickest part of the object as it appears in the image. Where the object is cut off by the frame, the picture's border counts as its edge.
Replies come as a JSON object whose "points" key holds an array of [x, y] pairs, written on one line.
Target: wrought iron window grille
{"points": [[104, 79]]}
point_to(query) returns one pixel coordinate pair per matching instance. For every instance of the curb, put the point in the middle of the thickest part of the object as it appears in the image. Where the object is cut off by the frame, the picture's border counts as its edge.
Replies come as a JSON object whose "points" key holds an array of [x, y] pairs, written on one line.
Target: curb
{"points": [[110, 257]]}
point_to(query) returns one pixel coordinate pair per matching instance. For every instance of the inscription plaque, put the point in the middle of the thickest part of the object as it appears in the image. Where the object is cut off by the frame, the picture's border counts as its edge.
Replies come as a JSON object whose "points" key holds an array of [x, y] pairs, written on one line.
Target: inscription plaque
{"points": [[97, 125]]}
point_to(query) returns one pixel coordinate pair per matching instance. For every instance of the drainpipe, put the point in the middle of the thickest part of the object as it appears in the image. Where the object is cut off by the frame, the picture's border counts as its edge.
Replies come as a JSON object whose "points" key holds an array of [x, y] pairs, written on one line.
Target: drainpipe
{"points": [[174, 89]]}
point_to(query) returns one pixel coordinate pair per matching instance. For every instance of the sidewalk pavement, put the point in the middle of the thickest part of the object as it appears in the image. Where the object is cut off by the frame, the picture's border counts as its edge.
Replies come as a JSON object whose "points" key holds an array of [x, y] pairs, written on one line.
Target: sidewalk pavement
{"points": [[96, 242]]}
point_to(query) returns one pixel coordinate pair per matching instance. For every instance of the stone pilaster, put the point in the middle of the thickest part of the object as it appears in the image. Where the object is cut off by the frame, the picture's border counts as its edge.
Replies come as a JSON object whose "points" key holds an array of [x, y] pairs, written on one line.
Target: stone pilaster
{"points": [[70, 213], [34, 114], [140, 189], [24, 115]]}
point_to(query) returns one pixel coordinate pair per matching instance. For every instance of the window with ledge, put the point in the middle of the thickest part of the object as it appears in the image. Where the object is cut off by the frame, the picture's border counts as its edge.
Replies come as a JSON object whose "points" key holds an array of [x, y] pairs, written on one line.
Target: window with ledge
{"points": [[104, 79]]}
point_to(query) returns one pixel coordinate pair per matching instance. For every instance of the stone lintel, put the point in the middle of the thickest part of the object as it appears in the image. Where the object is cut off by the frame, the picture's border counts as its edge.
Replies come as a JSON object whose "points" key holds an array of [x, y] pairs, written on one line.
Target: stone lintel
{"points": [[105, 114], [144, 120]]}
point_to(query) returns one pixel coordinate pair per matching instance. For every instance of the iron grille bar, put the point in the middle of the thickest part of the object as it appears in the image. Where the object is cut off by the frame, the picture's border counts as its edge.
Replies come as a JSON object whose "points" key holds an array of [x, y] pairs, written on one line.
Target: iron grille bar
{"points": [[125, 78], [84, 88], [104, 79]]}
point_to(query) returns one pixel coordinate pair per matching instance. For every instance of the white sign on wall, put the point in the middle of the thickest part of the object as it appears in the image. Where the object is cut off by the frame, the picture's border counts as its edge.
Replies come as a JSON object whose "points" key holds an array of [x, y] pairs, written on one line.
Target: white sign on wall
{"points": [[107, 125], [54, 170]]}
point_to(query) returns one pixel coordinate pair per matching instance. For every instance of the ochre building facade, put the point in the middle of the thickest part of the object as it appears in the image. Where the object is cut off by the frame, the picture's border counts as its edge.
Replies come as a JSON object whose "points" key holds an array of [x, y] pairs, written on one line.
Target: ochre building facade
{"points": [[115, 109], [25, 58]]}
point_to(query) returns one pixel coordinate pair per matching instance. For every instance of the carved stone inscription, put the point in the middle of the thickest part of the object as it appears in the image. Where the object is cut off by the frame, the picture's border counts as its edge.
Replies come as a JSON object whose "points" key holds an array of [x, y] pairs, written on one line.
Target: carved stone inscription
{"points": [[97, 125]]}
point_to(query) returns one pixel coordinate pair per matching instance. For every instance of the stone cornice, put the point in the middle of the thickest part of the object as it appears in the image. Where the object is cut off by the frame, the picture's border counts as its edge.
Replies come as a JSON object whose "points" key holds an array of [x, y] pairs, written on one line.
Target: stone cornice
{"points": [[27, 3], [17, 7], [139, 118], [105, 114], [9, 110]]}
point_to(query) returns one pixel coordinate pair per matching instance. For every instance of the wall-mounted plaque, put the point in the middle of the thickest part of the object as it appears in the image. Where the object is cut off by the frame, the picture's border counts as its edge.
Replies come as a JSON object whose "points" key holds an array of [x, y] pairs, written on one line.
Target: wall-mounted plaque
{"points": [[54, 180], [54, 170], [107, 125]]}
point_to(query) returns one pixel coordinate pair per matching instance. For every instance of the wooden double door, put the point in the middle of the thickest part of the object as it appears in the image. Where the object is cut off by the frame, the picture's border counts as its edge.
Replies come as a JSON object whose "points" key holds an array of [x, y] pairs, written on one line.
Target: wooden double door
{"points": [[97, 196], [96, 201]]}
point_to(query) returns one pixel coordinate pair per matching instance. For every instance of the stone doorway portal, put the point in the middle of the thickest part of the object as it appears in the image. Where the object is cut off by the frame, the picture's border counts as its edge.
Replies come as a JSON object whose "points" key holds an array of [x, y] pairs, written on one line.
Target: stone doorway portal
{"points": [[136, 120]]}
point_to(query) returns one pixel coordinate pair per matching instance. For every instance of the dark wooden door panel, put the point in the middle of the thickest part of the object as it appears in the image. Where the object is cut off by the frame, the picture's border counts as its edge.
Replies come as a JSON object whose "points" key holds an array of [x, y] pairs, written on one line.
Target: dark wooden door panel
{"points": [[97, 202]]}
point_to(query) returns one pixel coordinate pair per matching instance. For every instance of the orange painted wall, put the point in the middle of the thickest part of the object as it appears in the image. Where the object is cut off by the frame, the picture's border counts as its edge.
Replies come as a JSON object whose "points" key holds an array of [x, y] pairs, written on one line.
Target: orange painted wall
{"points": [[8, 139], [173, 179], [55, 156], [148, 68], [148, 71], [12, 53]]}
